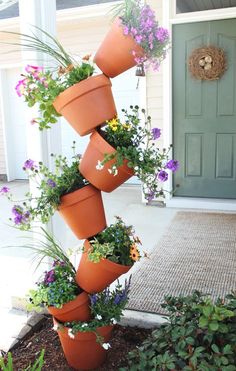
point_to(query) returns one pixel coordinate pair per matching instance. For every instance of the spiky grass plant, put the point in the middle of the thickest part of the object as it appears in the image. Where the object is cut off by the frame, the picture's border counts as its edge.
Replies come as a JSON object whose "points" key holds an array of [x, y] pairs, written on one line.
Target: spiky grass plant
{"points": [[46, 247], [51, 47]]}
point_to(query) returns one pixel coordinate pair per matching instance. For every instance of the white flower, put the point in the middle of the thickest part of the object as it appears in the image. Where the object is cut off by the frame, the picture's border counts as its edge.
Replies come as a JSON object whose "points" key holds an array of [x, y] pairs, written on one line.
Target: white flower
{"points": [[70, 333], [140, 157], [98, 316], [84, 325], [114, 321], [106, 346], [113, 170], [55, 327], [99, 166]]}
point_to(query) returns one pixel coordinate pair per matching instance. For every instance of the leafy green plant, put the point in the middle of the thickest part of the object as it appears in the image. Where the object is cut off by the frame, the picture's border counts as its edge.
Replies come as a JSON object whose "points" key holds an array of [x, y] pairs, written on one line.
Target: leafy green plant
{"points": [[106, 309], [200, 335], [116, 243], [57, 287], [51, 185], [134, 141], [41, 86], [37, 366]]}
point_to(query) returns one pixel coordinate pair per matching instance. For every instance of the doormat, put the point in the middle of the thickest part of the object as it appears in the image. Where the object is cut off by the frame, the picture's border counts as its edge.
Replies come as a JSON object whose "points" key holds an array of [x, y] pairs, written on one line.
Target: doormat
{"points": [[197, 252]]}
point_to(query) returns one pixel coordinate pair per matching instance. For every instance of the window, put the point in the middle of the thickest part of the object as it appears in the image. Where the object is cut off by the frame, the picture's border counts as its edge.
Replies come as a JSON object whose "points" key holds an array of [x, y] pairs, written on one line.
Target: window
{"points": [[188, 6]]}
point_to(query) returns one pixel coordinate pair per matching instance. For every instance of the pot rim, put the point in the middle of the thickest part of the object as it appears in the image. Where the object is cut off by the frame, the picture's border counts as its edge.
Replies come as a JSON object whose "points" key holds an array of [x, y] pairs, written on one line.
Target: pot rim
{"points": [[77, 196], [87, 335], [108, 264], [80, 300], [79, 89]]}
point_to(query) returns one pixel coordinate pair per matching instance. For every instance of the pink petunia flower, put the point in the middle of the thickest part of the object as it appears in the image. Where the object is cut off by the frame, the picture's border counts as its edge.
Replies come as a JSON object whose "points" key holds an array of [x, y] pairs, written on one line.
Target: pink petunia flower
{"points": [[21, 87], [33, 69]]}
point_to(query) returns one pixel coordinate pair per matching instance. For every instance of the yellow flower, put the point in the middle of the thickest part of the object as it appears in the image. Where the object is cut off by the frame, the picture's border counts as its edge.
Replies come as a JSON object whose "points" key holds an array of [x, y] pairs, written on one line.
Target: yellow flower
{"points": [[134, 253], [114, 128], [126, 126], [113, 122]]}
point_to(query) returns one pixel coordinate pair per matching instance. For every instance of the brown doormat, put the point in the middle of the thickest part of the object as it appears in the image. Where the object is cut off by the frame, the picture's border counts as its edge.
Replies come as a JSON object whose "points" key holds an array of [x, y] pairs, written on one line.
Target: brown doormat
{"points": [[197, 252]]}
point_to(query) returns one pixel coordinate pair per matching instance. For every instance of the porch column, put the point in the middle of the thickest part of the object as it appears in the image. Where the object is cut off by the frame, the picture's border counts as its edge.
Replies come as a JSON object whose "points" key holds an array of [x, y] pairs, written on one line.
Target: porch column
{"points": [[40, 144]]}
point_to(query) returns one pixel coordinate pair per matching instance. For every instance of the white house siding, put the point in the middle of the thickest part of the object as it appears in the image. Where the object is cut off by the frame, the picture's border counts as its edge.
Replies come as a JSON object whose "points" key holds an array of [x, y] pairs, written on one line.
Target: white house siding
{"points": [[155, 81]]}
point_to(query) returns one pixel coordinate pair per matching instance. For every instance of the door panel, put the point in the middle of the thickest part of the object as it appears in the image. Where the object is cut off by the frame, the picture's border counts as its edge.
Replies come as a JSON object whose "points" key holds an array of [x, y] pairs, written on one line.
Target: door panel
{"points": [[204, 117]]}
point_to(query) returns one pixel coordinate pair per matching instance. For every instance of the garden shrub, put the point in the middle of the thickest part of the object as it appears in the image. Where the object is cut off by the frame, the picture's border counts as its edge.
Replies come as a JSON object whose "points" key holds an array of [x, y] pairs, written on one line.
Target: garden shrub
{"points": [[199, 335]]}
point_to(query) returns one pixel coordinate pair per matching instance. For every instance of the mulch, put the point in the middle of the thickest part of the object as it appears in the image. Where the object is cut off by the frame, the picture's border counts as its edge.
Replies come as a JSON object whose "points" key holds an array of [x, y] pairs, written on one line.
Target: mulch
{"points": [[124, 339]]}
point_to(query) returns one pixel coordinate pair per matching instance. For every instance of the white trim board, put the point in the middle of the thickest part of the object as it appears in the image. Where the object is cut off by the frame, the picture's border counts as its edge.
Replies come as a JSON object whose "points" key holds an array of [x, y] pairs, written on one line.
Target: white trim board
{"points": [[205, 15], [202, 203]]}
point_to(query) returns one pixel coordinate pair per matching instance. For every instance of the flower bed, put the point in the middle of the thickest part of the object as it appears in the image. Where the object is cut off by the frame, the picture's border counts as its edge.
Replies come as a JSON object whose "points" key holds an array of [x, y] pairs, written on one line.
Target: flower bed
{"points": [[123, 340]]}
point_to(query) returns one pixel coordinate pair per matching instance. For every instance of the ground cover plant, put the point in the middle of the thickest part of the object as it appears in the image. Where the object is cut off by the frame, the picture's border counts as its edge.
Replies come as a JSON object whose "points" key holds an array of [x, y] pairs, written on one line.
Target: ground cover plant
{"points": [[200, 335]]}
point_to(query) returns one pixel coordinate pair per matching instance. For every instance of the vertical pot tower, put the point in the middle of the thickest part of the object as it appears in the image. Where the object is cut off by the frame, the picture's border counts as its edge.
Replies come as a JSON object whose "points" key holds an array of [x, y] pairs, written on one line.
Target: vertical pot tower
{"points": [[87, 104]]}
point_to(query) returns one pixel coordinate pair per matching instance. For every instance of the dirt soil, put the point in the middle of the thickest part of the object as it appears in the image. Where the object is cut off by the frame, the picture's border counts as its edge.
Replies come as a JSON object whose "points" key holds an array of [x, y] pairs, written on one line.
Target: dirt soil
{"points": [[124, 339]]}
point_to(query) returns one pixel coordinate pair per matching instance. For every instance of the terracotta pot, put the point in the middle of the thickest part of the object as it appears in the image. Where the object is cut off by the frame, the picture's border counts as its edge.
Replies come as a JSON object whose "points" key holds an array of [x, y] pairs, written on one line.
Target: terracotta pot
{"points": [[102, 179], [95, 277], [84, 352], [83, 211], [75, 310], [87, 104], [115, 56]]}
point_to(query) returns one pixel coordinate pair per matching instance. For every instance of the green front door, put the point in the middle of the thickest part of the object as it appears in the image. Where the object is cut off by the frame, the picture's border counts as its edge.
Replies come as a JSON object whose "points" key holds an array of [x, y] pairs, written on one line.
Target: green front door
{"points": [[204, 114]]}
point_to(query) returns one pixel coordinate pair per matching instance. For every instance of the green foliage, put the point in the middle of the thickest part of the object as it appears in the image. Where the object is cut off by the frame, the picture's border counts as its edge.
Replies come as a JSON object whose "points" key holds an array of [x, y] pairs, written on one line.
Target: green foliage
{"points": [[46, 247], [200, 335], [133, 140], [106, 309], [56, 288], [37, 366], [41, 87], [116, 243], [51, 185]]}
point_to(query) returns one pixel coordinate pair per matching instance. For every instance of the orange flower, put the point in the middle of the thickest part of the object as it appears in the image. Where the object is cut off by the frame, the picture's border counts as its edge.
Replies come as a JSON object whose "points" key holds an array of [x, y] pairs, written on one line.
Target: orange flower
{"points": [[134, 253], [86, 57]]}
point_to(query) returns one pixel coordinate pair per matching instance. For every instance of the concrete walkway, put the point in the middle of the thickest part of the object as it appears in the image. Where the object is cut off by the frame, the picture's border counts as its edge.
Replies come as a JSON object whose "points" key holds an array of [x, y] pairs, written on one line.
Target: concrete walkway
{"points": [[17, 274]]}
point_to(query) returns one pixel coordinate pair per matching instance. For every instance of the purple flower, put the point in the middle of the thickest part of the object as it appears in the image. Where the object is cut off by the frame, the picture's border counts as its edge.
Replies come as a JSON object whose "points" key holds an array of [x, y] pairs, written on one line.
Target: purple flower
{"points": [[162, 34], [29, 164], [163, 176], [126, 30], [93, 299], [172, 165], [138, 39], [18, 219], [20, 216], [117, 299], [49, 277], [156, 133], [4, 190], [17, 210], [51, 183], [150, 196], [134, 31]]}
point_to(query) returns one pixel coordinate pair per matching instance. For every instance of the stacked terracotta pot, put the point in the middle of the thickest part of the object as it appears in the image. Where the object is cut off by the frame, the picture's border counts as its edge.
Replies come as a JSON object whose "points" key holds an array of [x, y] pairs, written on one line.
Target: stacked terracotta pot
{"points": [[87, 106]]}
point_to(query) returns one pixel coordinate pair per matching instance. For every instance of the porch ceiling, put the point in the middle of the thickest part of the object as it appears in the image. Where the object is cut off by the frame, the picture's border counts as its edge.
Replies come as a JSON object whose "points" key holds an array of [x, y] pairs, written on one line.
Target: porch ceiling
{"points": [[185, 6]]}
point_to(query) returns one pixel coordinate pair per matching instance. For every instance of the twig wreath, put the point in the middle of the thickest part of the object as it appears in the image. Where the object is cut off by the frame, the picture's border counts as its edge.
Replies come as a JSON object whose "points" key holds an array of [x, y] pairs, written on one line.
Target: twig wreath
{"points": [[207, 63]]}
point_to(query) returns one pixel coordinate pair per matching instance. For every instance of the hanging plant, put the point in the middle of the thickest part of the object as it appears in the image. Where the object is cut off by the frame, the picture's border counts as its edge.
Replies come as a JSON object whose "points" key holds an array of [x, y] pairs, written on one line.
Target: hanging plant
{"points": [[207, 63]]}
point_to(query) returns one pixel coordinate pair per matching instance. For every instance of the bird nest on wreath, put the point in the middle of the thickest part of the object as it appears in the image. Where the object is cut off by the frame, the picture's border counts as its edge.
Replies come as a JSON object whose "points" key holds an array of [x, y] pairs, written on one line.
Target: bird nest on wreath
{"points": [[207, 63]]}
